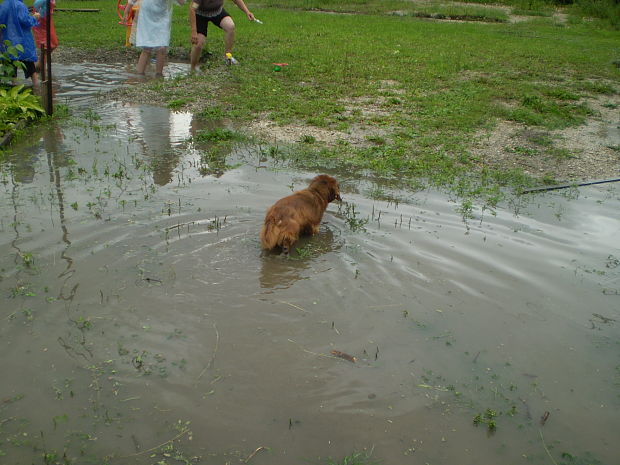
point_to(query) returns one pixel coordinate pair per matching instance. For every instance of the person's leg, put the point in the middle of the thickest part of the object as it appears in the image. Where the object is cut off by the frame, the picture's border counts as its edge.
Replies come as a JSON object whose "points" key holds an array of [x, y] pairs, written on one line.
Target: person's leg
{"points": [[143, 61], [228, 25], [31, 72], [198, 39], [162, 55], [194, 56]]}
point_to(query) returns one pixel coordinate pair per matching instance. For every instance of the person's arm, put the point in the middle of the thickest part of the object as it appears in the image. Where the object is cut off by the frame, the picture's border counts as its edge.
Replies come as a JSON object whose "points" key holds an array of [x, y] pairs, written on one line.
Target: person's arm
{"points": [[244, 8], [192, 21], [25, 18]]}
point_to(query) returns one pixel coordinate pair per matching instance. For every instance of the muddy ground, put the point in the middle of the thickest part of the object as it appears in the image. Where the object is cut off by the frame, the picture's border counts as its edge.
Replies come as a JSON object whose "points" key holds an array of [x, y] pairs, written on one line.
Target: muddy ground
{"points": [[587, 152]]}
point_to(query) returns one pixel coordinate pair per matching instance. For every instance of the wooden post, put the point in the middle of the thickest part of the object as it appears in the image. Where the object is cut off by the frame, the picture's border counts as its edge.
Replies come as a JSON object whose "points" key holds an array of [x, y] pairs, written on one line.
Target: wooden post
{"points": [[43, 72], [49, 104], [42, 62]]}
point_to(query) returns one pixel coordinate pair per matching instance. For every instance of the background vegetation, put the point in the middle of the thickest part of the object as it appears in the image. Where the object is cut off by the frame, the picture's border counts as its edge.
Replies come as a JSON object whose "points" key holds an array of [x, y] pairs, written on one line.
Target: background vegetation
{"points": [[17, 104]]}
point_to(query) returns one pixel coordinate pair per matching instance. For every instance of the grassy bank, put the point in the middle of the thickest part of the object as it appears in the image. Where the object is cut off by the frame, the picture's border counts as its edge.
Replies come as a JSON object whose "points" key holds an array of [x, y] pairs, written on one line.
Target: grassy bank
{"points": [[418, 92]]}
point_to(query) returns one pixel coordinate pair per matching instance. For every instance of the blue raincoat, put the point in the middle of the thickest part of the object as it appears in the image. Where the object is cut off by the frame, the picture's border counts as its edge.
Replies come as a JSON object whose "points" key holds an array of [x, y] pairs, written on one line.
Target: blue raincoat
{"points": [[14, 15]]}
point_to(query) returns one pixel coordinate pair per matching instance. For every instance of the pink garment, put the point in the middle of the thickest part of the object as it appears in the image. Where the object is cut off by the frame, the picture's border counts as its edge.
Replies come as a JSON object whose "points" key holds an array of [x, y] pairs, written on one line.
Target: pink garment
{"points": [[40, 31]]}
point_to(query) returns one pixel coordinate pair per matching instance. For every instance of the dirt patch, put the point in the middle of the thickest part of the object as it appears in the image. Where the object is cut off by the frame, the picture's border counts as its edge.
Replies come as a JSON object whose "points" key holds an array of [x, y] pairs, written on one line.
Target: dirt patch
{"points": [[586, 152], [559, 17], [366, 131], [357, 135], [368, 112], [291, 133]]}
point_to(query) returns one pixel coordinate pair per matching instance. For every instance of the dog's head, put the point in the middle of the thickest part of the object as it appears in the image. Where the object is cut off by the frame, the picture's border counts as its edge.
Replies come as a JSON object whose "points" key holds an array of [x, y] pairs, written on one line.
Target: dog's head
{"points": [[327, 186]]}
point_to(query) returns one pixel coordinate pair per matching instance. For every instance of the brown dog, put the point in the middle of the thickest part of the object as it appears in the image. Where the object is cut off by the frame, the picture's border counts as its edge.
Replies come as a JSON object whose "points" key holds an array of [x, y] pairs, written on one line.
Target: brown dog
{"points": [[299, 213]]}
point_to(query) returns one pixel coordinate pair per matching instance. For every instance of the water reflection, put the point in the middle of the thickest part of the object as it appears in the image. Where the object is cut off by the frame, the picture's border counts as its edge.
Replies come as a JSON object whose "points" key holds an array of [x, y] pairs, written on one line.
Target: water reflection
{"points": [[161, 134], [54, 161], [164, 135], [79, 84], [281, 272]]}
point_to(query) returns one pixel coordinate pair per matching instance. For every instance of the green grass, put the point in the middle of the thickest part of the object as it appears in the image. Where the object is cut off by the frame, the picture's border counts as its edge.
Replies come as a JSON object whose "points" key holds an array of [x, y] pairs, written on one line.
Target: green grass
{"points": [[434, 84], [216, 135]]}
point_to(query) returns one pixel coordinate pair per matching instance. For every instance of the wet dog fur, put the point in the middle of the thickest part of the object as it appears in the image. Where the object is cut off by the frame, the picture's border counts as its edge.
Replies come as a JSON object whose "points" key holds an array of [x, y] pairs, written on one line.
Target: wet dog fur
{"points": [[299, 213]]}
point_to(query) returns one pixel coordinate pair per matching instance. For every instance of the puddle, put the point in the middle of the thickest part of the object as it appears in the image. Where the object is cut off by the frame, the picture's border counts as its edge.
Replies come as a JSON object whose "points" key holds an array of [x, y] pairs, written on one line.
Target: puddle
{"points": [[81, 84], [142, 322]]}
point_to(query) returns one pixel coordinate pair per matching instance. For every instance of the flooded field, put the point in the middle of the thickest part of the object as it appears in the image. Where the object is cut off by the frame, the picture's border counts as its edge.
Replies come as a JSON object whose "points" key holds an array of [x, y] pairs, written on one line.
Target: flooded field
{"points": [[142, 323]]}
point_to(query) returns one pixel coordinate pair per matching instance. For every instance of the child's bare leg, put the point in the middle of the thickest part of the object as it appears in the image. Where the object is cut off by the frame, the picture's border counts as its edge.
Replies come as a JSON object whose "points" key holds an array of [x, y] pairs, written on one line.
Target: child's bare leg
{"points": [[162, 55], [143, 61]]}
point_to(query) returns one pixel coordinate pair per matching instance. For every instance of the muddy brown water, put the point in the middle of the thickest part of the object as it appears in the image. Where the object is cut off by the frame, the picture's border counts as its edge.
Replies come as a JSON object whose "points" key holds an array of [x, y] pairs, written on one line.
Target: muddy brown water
{"points": [[141, 322]]}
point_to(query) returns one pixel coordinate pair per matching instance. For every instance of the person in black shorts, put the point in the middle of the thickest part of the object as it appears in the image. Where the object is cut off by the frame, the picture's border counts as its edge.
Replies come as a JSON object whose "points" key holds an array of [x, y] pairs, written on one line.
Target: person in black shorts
{"points": [[203, 12], [30, 71], [17, 30]]}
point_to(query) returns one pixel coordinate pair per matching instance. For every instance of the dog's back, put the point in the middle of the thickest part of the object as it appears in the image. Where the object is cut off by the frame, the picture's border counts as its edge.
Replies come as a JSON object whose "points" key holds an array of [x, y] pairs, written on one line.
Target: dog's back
{"points": [[299, 213], [288, 218]]}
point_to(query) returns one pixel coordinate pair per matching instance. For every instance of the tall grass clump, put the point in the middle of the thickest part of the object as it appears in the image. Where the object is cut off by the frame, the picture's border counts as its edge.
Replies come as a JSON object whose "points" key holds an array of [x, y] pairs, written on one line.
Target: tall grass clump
{"points": [[608, 10]]}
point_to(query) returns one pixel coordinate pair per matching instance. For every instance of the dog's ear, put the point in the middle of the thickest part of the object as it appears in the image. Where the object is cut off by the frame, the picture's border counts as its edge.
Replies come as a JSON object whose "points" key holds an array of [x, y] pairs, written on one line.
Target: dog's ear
{"points": [[334, 192]]}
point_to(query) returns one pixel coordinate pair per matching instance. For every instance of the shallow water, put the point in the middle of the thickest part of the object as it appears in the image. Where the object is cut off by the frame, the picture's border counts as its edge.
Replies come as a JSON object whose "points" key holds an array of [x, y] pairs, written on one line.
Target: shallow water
{"points": [[141, 321]]}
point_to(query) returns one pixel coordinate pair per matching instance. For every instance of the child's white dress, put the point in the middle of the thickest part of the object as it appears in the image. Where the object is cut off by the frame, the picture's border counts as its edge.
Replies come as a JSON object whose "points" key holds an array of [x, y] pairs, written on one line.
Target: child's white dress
{"points": [[154, 23]]}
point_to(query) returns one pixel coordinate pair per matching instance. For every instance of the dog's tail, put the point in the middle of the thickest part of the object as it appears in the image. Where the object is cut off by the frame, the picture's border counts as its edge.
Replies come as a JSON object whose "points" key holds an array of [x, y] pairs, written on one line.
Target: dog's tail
{"points": [[269, 235], [273, 234]]}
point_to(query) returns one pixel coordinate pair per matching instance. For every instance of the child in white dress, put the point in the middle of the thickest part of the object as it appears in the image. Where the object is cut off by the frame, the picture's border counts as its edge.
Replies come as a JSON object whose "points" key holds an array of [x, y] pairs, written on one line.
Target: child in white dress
{"points": [[153, 31]]}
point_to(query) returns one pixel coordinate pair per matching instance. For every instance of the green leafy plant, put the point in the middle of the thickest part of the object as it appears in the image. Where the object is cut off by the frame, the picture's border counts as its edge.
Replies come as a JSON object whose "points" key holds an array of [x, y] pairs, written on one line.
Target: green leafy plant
{"points": [[215, 135], [308, 139], [18, 103], [304, 252], [571, 459], [351, 217], [8, 63], [178, 103], [488, 417]]}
